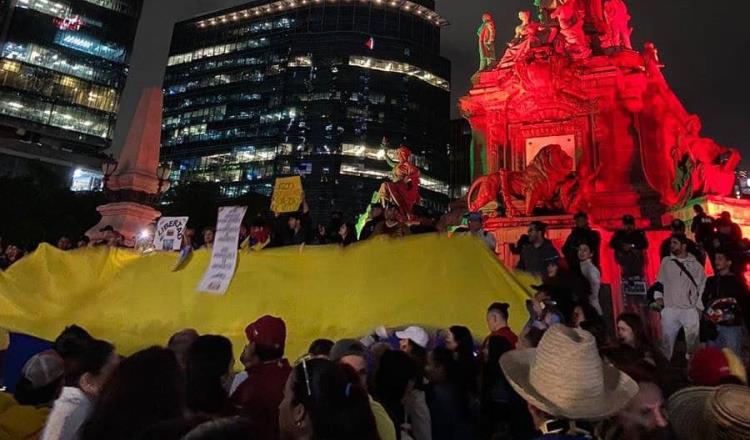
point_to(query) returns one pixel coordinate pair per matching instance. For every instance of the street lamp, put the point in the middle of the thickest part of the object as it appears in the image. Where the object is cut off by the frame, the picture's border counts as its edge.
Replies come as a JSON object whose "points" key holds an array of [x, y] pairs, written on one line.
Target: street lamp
{"points": [[162, 173], [109, 166]]}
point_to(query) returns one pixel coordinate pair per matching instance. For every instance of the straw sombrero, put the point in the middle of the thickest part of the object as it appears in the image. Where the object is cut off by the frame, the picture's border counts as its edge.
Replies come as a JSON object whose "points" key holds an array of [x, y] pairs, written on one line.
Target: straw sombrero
{"points": [[711, 413], [566, 378]]}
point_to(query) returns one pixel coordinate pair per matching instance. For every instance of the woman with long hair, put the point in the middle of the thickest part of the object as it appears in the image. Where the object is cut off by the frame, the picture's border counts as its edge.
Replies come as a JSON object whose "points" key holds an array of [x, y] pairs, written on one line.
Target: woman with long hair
{"points": [[461, 343], [324, 401], [146, 388]]}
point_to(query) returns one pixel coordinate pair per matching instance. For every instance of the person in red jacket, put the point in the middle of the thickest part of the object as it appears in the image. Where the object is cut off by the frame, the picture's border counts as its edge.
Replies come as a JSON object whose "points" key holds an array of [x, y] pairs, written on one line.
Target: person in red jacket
{"points": [[259, 396]]}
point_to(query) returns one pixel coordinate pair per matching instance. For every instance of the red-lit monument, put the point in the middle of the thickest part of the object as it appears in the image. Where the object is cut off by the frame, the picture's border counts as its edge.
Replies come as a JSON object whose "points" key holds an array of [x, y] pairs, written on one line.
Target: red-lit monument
{"points": [[571, 118]]}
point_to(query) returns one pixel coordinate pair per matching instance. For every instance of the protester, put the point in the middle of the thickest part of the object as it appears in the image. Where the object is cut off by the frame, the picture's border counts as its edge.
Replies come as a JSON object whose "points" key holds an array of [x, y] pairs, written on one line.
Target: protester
{"points": [[394, 383], [530, 338], [554, 377], [261, 393], [23, 415], [209, 234], [725, 298], [322, 401], [711, 413], [320, 348], [12, 254], [683, 281], [376, 216], [86, 373], [391, 225], [146, 388], [188, 239], [346, 235], [545, 311], [293, 229], [629, 245], [64, 243], [180, 342], [591, 273], [497, 323], [538, 252], [209, 366], [414, 341], [644, 417], [475, 222], [354, 354], [83, 242], [711, 367], [566, 285], [702, 226], [582, 233], [321, 235], [502, 412], [460, 343], [447, 397], [678, 228]]}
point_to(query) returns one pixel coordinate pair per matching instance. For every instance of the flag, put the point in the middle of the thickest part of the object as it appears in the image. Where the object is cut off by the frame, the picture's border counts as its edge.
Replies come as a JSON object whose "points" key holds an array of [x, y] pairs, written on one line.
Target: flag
{"points": [[370, 43]]}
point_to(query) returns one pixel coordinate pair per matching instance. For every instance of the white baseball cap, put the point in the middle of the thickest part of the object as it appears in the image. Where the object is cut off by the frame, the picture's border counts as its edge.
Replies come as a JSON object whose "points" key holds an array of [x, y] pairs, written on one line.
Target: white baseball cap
{"points": [[417, 335]]}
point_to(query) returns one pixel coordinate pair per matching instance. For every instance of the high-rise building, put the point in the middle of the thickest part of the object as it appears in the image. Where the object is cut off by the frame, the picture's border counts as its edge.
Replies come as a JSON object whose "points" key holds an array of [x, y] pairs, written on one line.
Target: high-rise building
{"points": [[309, 87], [63, 65]]}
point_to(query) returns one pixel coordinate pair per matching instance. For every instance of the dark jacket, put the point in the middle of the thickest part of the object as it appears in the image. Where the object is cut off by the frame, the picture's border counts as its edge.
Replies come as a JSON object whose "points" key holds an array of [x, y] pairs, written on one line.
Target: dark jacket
{"points": [[719, 289], [535, 259], [578, 236], [283, 236], [702, 227], [631, 261], [692, 249], [369, 227], [259, 396]]}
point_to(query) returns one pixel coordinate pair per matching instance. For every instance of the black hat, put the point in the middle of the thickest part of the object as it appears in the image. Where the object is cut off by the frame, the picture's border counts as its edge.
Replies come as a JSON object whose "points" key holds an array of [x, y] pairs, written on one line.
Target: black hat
{"points": [[677, 224], [628, 219]]}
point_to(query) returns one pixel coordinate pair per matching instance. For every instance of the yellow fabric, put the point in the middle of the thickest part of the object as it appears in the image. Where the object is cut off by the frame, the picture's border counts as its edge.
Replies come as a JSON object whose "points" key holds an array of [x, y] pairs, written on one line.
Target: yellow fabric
{"points": [[136, 300], [20, 422]]}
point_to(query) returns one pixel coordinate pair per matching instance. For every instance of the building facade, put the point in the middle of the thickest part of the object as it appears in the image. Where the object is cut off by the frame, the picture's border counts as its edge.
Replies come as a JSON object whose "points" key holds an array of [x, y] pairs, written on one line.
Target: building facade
{"points": [[283, 87], [63, 65]]}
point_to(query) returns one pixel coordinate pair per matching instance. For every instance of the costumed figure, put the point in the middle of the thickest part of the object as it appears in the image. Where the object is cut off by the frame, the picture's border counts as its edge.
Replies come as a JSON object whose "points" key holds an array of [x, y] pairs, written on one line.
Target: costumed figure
{"points": [[618, 25], [403, 190], [486, 36], [526, 37], [703, 167], [570, 18], [543, 181]]}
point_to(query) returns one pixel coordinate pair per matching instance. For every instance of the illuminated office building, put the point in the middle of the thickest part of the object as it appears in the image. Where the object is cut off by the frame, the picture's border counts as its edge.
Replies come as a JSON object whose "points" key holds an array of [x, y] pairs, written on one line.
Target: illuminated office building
{"points": [[63, 65], [278, 87]]}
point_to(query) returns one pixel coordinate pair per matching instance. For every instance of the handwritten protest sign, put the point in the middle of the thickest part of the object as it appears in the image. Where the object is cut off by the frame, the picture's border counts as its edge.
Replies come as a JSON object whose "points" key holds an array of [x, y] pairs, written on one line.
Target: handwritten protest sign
{"points": [[287, 194], [224, 255], [169, 232]]}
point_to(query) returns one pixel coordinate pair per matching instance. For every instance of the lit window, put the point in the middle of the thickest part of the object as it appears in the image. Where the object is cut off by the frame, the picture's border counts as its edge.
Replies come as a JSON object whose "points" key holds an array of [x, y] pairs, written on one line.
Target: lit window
{"points": [[90, 45], [401, 68], [301, 61]]}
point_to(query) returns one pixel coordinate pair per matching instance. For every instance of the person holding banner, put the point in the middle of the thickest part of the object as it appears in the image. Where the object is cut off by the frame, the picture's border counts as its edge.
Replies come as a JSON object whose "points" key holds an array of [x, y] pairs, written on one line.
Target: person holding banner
{"points": [[296, 230]]}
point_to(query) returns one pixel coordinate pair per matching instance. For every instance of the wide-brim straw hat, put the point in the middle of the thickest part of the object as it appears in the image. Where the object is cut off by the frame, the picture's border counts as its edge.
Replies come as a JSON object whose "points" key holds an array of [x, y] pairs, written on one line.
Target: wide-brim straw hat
{"points": [[708, 413], [566, 378]]}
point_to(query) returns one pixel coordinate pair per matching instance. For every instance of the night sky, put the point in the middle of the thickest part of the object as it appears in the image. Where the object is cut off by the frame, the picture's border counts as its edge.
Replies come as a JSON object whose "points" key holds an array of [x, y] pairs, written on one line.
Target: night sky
{"points": [[704, 44]]}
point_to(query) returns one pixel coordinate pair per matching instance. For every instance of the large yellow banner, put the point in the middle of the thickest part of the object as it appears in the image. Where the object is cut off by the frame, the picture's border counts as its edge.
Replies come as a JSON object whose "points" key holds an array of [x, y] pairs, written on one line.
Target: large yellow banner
{"points": [[136, 300]]}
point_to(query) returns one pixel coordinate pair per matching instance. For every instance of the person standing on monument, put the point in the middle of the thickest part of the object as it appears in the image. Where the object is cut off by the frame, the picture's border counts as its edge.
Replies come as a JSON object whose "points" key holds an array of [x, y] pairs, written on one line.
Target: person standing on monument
{"points": [[629, 245], [538, 252], [678, 228], [581, 233], [683, 280], [702, 227]]}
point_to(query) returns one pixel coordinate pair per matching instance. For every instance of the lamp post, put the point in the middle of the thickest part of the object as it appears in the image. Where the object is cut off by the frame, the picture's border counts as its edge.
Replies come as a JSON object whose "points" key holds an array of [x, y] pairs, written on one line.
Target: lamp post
{"points": [[109, 166]]}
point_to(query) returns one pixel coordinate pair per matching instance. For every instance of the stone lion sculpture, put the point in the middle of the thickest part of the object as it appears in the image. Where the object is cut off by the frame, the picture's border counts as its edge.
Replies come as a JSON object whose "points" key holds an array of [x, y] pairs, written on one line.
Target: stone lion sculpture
{"points": [[540, 183]]}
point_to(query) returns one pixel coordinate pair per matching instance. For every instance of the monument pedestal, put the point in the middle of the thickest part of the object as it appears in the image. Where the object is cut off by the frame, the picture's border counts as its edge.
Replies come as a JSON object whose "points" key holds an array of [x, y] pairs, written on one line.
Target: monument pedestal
{"points": [[128, 218], [135, 186]]}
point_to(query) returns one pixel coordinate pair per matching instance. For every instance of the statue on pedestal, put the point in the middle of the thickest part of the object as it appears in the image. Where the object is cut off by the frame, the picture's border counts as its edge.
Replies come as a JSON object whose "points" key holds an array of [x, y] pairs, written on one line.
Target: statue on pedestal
{"points": [[570, 17], [546, 181], [403, 189], [486, 39], [525, 38], [618, 29], [703, 167]]}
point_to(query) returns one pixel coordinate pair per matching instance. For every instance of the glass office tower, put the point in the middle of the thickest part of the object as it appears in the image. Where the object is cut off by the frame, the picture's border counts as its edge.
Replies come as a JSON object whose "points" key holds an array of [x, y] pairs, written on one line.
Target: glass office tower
{"points": [[63, 65], [283, 87]]}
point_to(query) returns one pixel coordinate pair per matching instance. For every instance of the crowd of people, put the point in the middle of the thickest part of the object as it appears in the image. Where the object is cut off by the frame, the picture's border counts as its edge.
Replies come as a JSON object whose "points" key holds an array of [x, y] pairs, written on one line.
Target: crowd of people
{"points": [[558, 381]]}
